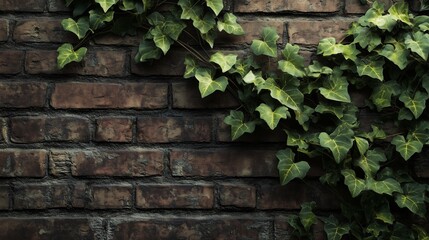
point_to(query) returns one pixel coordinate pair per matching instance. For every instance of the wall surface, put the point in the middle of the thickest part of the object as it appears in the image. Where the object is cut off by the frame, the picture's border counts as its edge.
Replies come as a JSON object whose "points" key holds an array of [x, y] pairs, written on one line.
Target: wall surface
{"points": [[109, 149]]}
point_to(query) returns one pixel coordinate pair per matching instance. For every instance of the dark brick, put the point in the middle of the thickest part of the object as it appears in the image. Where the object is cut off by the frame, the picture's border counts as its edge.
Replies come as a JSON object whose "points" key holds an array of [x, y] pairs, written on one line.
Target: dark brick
{"points": [[309, 32], [355, 6], [42, 128], [237, 195], [112, 39], [170, 65], [60, 195], [114, 129], [198, 227], [22, 94], [31, 196], [4, 197], [78, 195], [57, 6], [175, 196], [109, 95], [40, 30], [4, 30], [305, 6], [22, 5], [111, 196], [174, 129], [11, 61], [22, 163]]}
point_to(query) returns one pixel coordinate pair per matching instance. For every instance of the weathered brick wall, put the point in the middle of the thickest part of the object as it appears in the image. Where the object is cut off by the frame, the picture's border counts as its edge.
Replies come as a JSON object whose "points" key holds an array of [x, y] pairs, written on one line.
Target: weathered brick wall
{"points": [[110, 149]]}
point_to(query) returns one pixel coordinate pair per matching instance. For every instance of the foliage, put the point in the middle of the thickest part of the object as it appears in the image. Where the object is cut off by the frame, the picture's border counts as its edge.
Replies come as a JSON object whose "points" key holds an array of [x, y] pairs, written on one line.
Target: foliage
{"points": [[383, 56]]}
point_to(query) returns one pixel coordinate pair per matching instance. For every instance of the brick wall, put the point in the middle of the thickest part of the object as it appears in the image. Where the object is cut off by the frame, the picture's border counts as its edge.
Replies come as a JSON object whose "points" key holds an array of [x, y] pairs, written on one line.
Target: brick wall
{"points": [[109, 149]]}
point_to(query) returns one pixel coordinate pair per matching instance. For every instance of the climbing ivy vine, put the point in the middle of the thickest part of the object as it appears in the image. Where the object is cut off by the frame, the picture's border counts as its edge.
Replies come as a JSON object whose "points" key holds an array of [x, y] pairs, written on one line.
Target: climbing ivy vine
{"points": [[384, 57]]}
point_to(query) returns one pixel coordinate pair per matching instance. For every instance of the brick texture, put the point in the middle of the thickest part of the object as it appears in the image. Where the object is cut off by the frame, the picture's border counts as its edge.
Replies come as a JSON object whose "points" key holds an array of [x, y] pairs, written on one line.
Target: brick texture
{"points": [[22, 163], [16, 94]]}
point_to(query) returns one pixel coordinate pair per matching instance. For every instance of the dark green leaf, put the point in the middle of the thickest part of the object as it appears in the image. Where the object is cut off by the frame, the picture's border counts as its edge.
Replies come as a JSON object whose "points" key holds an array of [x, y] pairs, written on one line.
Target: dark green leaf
{"points": [[370, 162], [336, 88], [267, 45], [293, 63], [238, 127], [106, 4], [229, 24], [97, 18], [417, 104], [419, 44], [399, 12], [387, 186], [288, 169], [147, 51], [190, 9], [413, 198], [333, 229], [339, 145], [271, 117], [79, 28], [355, 185], [207, 84], [306, 215], [290, 97], [371, 67]]}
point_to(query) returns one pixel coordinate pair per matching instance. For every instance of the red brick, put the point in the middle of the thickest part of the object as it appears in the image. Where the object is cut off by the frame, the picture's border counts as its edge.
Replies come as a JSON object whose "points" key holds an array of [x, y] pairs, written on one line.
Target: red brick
{"points": [[136, 162], [294, 194], [97, 63], [40, 30], [173, 129], [253, 30], [4, 197], [57, 6], [4, 30], [43, 228], [309, 32], [11, 61], [355, 6], [111, 196], [22, 5], [198, 196], [187, 96], [110, 95], [31, 196], [237, 195], [305, 6], [42, 128], [114, 129], [192, 227], [22, 163], [22, 94], [112, 39], [223, 162]]}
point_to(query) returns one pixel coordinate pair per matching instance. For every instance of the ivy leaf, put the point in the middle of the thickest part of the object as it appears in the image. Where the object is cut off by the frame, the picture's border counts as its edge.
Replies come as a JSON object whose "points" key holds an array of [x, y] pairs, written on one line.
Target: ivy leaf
{"points": [[355, 185], [413, 198], [97, 19], [224, 61], [376, 133], [316, 69], [190, 67], [215, 5], [407, 148], [306, 215], [267, 46], [209, 37], [362, 145], [418, 44], [370, 162], [335, 88], [366, 37], [204, 25], [230, 25], [387, 186], [421, 232], [66, 55], [382, 94], [417, 104], [238, 127], [291, 97], [334, 230], [190, 9], [106, 4], [147, 4], [302, 116], [375, 16], [371, 68], [339, 145], [396, 53], [271, 117], [207, 84], [295, 139], [399, 12], [288, 169], [79, 28], [147, 51], [336, 110], [384, 214], [293, 63], [328, 47], [161, 40]]}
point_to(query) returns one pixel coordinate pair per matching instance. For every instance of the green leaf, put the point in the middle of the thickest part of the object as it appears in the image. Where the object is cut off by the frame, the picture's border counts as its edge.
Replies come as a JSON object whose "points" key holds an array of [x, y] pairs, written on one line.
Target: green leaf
{"points": [[302, 116], [238, 127], [209, 37], [328, 47], [339, 145], [370, 162], [316, 69], [421, 232], [207, 84], [396, 53], [407, 148], [334, 230], [374, 16], [336, 88], [387, 186], [229, 25], [147, 51], [288, 169], [366, 37], [384, 214], [293, 63], [205, 24], [376, 133], [362, 145], [267, 45], [306, 215], [336, 110], [79, 28], [66, 55], [215, 5], [190, 9], [419, 44], [225, 62], [291, 97], [295, 139], [382, 94], [271, 117], [370, 67], [106, 4], [97, 18], [417, 104], [413, 198], [161, 40], [355, 185], [399, 12], [190, 67]]}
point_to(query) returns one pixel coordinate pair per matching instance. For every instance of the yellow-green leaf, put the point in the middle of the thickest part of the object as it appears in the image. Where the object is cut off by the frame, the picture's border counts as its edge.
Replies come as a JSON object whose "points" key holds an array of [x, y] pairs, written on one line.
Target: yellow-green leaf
{"points": [[66, 54]]}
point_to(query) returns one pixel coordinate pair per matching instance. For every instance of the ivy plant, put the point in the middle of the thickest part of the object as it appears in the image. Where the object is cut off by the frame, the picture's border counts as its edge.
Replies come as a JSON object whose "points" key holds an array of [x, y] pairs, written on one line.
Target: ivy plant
{"points": [[383, 56]]}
